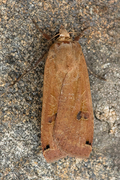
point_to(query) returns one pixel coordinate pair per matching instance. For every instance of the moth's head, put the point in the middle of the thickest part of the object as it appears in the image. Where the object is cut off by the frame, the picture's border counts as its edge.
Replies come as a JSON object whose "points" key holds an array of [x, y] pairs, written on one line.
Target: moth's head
{"points": [[63, 34]]}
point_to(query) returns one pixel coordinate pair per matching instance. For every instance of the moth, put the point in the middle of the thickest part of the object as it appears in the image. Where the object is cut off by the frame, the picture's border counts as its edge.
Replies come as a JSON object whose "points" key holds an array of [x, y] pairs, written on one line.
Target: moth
{"points": [[67, 122]]}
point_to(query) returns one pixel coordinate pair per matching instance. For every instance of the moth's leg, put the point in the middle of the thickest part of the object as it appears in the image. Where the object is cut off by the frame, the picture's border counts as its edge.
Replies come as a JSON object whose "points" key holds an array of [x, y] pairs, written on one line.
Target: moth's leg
{"points": [[95, 75], [89, 70], [37, 27], [26, 71]]}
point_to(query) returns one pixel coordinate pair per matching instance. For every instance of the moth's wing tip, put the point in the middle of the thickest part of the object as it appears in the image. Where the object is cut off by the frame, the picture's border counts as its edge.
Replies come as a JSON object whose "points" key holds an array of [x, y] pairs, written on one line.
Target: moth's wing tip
{"points": [[52, 155]]}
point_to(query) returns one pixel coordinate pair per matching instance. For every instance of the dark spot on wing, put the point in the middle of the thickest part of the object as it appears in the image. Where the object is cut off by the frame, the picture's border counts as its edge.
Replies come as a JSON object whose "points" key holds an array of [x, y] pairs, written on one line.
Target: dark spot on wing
{"points": [[87, 142], [52, 118], [47, 147], [79, 115], [82, 115], [86, 115]]}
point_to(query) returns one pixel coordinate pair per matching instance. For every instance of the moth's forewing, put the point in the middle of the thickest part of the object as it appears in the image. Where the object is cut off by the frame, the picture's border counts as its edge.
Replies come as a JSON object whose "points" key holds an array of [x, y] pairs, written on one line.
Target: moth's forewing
{"points": [[73, 129], [52, 87]]}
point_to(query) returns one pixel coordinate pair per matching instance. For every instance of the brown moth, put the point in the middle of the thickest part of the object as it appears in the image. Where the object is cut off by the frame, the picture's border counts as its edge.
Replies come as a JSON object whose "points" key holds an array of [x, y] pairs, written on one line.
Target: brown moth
{"points": [[67, 115]]}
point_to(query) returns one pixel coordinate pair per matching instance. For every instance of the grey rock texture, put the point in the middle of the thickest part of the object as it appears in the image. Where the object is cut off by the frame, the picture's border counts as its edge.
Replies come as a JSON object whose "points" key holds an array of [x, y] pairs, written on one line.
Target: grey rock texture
{"points": [[20, 107]]}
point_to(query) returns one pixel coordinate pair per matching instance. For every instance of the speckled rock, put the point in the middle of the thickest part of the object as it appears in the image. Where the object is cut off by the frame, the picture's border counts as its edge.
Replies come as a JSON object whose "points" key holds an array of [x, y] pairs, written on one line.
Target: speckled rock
{"points": [[20, 107]]}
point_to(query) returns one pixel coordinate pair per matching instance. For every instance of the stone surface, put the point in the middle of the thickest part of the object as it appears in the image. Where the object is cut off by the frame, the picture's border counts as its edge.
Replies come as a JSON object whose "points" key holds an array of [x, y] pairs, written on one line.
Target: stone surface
{"points": [[20, 107]]}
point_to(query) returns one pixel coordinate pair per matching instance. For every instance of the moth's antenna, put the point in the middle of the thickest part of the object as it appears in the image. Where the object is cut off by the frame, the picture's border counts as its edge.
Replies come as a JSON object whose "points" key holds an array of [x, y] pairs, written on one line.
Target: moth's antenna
{"points": [[37, 27], [45, 35], [54, 37], [80, 35]]}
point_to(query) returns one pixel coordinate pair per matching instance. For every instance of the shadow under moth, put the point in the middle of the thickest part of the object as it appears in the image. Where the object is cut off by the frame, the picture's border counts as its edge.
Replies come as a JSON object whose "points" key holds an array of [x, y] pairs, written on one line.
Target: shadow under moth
{"points": [[67, 122]]}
